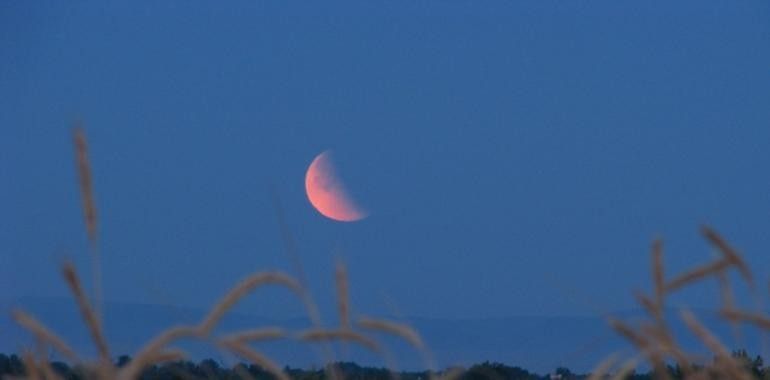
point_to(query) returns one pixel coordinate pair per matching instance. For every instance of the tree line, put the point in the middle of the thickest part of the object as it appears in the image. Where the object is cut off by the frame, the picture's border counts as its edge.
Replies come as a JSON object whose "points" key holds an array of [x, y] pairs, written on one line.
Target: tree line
{"points": [[13, 366]]}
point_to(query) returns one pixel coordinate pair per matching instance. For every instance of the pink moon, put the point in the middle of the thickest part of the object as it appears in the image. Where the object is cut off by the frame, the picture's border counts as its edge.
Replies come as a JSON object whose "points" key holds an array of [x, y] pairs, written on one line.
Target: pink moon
{"points": [[327, 193]]}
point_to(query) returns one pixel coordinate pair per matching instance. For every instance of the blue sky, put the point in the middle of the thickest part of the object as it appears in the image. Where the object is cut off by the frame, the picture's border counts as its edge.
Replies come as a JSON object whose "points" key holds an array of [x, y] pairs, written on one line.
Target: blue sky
{"points": [[516, 157]]}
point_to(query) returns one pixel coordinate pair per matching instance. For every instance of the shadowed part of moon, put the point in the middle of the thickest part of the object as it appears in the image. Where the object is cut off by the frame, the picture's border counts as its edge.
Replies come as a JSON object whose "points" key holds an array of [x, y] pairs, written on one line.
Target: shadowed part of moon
{"points": [[327, 193]]}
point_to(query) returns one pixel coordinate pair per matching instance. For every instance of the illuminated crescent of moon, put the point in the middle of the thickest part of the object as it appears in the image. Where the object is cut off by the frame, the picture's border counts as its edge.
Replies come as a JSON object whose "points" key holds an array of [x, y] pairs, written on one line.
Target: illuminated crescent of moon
{"points": [[327, 193]]}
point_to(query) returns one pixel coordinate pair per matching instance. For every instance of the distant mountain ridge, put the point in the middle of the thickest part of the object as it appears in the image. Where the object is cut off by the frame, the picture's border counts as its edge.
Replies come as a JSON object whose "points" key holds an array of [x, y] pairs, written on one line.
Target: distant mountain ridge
{"points": [[538, 343]]}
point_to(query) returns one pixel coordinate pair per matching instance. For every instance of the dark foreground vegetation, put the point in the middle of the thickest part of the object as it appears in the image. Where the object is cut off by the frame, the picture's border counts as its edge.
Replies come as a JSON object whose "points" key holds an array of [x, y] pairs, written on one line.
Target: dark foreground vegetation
{"points": [[13, 366]]}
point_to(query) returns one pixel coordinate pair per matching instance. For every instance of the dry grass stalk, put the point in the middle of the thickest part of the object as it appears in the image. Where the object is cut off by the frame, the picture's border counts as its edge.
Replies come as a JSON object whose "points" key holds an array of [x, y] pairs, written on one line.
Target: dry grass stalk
{"points": [[150, 356], [87, 312], [638, 340], [726, 291], [256, 358], [724, 361], [242, 289], [254, 335], [730, 254], [643, 344], [44, 365], [85, 181], [343, 294], [626, 369], [655, 341], [601, 369], [711, 341], [754, 318], [659, 332], [650, 306], [290, 249], [43, 334], [152, 350], [149, 353], [37, 368], [30, 366], [398, 329], [658, 273], [89, 210], [345, 335], [667, 344], [697, 274], [728, 302]]}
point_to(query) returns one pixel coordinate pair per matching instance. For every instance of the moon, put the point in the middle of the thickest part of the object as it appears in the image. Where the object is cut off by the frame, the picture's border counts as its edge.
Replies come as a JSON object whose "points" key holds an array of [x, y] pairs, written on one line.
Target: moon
{"points": [[327, 193]]}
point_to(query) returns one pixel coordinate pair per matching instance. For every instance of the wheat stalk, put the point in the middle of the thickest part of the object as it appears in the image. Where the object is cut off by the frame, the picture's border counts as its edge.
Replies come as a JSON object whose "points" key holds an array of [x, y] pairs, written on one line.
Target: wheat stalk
{"points": [[626, 369], [44, 334], [601, 369], [87, 312], [754, 318], [33, 372], [321, 335], [658, 273], [254, 335], [725, 361], [256, 358], [643, 344], [398, 329], [153, 349], [85, 181], [729, 252], [343, 294], [89, 209], [242, 289], [697, 274]]}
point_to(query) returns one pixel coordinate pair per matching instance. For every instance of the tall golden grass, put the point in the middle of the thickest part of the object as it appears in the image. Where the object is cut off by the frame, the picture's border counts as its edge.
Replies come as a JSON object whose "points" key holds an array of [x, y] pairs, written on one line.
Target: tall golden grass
{"points": [[653, 339], [161, 347]]}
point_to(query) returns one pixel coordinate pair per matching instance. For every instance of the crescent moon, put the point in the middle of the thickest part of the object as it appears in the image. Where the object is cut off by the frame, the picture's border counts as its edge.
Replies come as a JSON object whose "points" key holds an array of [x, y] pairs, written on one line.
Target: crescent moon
{"points": [[327, 193]]}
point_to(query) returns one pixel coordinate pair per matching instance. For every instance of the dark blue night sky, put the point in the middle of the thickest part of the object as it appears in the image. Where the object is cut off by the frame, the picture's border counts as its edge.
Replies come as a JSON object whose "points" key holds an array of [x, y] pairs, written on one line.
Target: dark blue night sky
{"points": [[517, 158]]}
